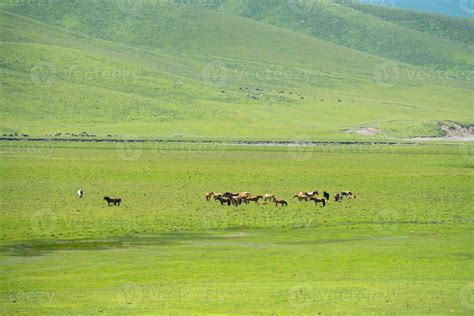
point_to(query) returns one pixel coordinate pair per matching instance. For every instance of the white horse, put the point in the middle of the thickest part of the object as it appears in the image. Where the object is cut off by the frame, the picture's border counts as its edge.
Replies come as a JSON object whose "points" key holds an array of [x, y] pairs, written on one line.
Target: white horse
{"points": [[80, 194]]}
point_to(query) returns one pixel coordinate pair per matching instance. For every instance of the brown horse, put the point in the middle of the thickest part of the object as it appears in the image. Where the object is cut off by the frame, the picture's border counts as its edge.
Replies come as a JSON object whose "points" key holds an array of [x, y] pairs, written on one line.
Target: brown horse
{"points": [[317, 200], [110, 201], [254, 199], [223, 200], [236, 201], [268, 197], [301, 197], [244, 194], [280, 202], [209, 195]]}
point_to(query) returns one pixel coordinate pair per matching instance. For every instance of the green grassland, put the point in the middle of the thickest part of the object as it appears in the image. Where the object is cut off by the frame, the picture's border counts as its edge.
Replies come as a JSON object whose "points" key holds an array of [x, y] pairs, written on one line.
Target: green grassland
{"points": [[404, 246], [162, 70]]}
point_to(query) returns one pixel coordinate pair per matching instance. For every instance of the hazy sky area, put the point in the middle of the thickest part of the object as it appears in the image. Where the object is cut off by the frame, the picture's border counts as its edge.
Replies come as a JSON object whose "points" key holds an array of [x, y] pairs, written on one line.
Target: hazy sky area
{"points": [[461, 8]]}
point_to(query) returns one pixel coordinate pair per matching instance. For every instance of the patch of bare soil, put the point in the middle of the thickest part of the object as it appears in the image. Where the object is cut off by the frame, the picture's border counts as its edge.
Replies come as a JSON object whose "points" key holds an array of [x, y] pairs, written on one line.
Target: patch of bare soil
{"points": [[453, 131]]}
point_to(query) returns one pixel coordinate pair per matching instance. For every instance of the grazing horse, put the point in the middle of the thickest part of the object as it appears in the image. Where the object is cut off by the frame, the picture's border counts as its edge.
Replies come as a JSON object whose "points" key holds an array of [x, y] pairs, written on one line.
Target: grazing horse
{"points": [[209, 195], [346, 194], [254, 199], [229, 195], [311, 194], [244, 194], [301, 197], [115, 201], [223, 200], [317, 200], [236, 201], [280, 202], [268, 197], [326, 195], [80, 194], [337, 197]]}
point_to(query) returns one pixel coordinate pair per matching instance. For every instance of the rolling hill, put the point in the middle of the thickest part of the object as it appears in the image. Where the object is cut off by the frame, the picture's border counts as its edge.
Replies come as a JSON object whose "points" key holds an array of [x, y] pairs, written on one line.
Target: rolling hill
{"points": [[215, 72], [416, 38]]}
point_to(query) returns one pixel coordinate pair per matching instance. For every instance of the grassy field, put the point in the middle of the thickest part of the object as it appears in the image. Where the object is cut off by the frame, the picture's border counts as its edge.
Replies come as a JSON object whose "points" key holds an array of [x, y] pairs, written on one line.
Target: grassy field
{"points": [[403, 247]]}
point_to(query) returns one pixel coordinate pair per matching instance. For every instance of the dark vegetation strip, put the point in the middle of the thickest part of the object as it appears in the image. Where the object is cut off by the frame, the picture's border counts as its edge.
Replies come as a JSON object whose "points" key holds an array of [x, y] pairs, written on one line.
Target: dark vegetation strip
{"points": [[263, 143]]}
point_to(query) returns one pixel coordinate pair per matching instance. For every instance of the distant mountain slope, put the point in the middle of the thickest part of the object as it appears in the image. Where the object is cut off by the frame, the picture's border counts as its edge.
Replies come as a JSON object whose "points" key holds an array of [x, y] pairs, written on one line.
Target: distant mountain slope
{"points": [[189, 30], [456, 29], [356, 29], [160, 71], [459, 8]]}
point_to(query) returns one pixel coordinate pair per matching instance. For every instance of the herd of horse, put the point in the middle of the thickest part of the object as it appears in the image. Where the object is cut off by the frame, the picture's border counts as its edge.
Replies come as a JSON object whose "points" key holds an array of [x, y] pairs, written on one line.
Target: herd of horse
{"points": [[239, 198], [236, 199]]}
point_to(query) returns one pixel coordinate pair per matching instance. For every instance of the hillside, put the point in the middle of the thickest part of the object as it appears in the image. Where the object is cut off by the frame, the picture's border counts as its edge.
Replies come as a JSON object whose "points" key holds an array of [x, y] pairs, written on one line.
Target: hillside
{"points": [[158, 70], [460, 30], [369, 29]]}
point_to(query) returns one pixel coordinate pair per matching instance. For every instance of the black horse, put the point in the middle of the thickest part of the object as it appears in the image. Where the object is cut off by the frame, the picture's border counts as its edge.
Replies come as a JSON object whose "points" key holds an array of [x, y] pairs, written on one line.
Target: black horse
{"points": [[326, 195], [224, 200], [110, 201]]}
